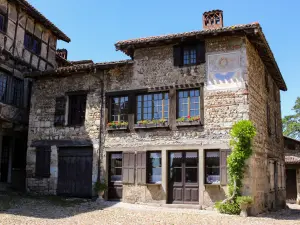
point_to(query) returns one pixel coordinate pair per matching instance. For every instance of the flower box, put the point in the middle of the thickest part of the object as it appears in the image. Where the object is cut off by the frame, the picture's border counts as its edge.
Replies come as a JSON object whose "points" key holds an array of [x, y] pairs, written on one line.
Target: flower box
{"points": [[150, 125], [188, 123], [111, 128]]}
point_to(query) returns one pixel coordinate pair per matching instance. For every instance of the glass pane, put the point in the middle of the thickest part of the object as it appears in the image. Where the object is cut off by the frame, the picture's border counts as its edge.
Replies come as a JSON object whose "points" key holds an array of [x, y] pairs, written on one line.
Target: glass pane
{"points": [[191, 175], [212, 167], [212, 159], [175, 159], [175, 174], [191, 159]]}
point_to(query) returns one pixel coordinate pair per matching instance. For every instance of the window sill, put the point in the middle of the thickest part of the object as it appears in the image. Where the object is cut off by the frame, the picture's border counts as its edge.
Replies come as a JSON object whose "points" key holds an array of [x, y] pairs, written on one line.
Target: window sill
{"points": [[154, 184], [151, 126], [188, 123], [121, 128]]}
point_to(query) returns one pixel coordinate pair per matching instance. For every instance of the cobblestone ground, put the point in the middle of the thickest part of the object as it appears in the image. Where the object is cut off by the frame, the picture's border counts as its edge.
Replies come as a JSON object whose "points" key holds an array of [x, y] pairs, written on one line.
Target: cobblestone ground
{"points": [[53, 211]]}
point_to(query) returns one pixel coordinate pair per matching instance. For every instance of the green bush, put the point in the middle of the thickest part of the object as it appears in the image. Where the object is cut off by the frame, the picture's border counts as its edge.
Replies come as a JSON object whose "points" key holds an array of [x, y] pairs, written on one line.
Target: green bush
{"points": [[231, 208], [100, 186], [244, 200]]}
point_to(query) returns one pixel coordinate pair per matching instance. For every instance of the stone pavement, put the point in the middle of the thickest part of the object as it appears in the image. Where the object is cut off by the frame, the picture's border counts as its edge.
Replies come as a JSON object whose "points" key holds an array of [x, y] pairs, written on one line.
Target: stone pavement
{"points": [[55, 211]]}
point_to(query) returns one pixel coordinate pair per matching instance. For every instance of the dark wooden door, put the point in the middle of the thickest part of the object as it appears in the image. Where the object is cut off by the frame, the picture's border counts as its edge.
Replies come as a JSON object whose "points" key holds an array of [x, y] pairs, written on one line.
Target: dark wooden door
{"points": [[75, 172], [115, 188], [291, 185], [183, 185], [6, 144]]}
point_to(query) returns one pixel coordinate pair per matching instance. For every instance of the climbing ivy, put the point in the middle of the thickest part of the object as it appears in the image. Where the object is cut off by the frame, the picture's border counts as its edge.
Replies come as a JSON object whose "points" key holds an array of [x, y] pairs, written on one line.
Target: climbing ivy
{"points": [[242, 134]]}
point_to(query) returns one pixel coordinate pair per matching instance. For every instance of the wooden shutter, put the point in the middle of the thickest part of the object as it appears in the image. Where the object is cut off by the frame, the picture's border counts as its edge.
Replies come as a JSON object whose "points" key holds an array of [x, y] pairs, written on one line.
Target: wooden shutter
{"points": [[128, 167], [177, 55], [200, 50], [60, 108], [43, 159], [141, 167], [224, 153]]}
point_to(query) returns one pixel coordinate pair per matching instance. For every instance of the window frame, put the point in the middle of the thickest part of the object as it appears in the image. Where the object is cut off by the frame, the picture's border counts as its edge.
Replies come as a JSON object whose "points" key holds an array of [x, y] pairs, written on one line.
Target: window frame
{"points": [[29, 45], [164, 93], [189, 103], [189, 49], [71, 120], [205, 167], [149, 167], [110, 166], [111, 108]]}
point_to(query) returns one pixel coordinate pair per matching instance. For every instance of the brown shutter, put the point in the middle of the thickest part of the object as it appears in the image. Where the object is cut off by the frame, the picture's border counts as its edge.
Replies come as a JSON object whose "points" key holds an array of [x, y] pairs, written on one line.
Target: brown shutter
{"points": [[59, 115], [128, 167], [43, 159], [200, 49], [224, 153], [177, 55], [141, 167]]}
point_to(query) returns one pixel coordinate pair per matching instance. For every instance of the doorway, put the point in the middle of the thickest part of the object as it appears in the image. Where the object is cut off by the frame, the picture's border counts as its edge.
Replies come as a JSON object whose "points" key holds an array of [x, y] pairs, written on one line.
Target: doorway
{"points": [[115, 187], [183, 173], [291, 185]]}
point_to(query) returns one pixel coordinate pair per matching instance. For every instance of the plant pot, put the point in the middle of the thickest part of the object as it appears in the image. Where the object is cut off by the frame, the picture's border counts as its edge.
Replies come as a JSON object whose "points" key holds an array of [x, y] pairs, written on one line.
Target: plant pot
{"points": [[244, 210], [100, 195]]}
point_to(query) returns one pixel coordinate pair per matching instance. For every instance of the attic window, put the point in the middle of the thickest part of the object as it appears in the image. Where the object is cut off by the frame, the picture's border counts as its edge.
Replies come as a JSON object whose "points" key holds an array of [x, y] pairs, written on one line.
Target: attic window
{"points": [[32, 43], [189, 54]]}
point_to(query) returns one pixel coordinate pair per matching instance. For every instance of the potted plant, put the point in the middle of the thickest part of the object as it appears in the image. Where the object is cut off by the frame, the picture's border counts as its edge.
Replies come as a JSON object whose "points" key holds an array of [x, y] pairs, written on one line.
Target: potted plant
{"points": [[189, 120], [100, 187], [117, 125], [244, 202]]}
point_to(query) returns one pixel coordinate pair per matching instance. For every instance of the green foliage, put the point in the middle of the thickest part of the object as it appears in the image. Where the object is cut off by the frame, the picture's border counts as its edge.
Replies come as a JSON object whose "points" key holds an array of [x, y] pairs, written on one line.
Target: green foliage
{"points": [[291, 123], [100, 186], [242, 134], [244, 200], [231, 207]]}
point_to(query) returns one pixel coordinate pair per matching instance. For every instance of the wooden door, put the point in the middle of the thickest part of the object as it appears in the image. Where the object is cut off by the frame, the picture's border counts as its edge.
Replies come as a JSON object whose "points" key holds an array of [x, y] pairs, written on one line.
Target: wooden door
{"points": [[75, 172], [6, 143], [183, 185], [115, 188], [291, 185]]}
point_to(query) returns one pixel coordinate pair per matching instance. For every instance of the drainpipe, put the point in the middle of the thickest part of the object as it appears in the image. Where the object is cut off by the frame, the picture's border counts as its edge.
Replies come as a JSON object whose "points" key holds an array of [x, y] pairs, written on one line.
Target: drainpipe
{"points": [[101, 128]]}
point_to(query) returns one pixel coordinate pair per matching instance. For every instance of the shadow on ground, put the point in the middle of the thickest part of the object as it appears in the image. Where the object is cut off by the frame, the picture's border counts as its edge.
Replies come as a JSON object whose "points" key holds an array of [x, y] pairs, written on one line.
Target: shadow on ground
{"points": [[292, 212], [48, 207]]}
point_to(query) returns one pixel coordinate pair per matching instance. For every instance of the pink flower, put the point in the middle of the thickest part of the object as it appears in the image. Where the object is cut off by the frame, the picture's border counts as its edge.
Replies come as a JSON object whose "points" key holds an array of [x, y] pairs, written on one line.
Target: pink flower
{"points": [[188, 116]]}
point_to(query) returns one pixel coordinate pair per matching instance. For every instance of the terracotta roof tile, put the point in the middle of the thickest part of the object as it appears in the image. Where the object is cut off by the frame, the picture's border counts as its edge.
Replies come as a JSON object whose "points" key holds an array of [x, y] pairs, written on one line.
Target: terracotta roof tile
{"points": [[42, 19]]}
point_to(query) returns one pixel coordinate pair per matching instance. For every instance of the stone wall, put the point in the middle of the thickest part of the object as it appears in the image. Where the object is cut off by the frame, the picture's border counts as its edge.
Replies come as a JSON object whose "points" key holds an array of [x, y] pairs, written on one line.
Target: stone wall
{"points": [[267, 148], [41, 125]]}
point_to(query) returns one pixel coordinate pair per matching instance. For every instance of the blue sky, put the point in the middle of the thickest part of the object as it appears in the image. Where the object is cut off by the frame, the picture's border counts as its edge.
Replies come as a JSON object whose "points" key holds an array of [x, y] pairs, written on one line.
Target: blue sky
{"points": [[95, 25]]}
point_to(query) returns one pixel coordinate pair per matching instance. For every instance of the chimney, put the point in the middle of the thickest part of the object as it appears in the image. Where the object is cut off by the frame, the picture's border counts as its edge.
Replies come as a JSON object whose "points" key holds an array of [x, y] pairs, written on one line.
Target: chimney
{"points": [[213, 19], [62, 53]]}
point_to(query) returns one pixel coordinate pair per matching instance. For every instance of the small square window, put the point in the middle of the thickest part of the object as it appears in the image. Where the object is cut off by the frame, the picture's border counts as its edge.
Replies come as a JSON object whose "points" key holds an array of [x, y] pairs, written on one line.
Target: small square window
{"points": [[212, 167], [189, 56], [32, 43], [77, 108]]}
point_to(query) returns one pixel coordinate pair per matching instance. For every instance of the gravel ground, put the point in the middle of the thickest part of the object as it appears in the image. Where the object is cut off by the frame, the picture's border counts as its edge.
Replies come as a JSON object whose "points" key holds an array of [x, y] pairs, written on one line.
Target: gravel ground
{"points": [[54, 211]]}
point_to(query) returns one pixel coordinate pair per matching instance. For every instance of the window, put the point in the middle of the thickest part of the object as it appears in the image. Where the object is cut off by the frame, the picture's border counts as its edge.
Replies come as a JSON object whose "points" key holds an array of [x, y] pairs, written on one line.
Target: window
{"points": [[189, 56], [266, 80], [154, 167], [77, 105], [2, 22], [153, 106], [60, 109], [189, 103], [119, 109], [3, 85], [32, 43], [212, 167], [115, 171], [18, 91], [43, 158], [269, 120]]}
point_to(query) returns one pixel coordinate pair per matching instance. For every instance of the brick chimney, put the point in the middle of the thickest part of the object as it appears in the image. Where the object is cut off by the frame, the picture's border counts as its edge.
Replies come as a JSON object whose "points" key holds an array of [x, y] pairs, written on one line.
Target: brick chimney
{"points": [[212, 19], [62, 53]]}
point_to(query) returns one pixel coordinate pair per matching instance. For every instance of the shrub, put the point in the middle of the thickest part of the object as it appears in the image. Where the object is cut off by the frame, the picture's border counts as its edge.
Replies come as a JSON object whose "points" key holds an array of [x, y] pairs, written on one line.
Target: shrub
{"points": [[244, 200], [230, 207]]}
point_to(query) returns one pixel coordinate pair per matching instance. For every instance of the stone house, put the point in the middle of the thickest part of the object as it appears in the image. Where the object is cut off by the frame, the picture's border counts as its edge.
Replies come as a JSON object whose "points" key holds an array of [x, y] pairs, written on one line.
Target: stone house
{"points": [[156, 127], [292, 165], [27, 43]]}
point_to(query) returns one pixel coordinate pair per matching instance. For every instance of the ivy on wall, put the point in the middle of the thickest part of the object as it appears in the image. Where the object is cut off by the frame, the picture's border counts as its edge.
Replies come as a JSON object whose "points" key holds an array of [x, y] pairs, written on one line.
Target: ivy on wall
{"points": [[242, 134]]}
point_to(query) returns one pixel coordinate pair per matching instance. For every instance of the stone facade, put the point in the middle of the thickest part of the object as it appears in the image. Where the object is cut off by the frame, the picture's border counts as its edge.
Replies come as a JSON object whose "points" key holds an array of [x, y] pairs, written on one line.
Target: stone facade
{"points": [[153, 70]]}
